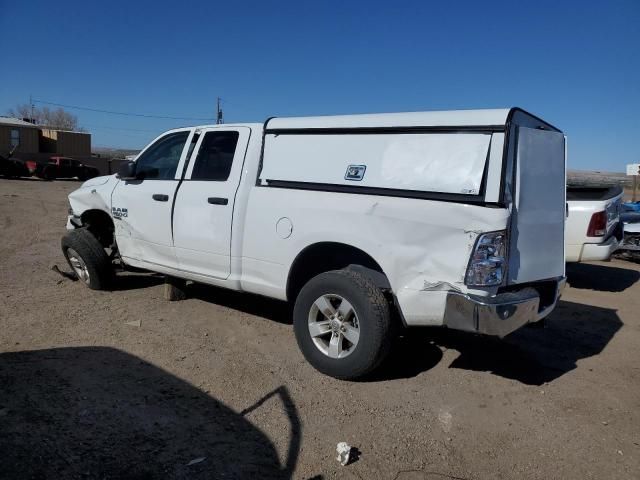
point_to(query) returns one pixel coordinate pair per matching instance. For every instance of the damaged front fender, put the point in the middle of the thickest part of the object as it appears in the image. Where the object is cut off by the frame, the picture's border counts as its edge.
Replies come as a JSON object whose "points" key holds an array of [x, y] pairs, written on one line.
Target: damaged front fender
{"points": [[94, 194]]}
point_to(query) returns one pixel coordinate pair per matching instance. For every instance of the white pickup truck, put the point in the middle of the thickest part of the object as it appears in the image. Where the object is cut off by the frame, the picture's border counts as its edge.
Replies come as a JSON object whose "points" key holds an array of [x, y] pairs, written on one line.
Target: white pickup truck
{"points": [[593, 222], [365, 223]]}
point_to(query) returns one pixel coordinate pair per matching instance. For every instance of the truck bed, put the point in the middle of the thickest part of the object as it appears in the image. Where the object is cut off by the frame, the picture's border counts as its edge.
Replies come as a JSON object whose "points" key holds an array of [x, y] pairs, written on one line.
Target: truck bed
{"points": [[592, 193]]}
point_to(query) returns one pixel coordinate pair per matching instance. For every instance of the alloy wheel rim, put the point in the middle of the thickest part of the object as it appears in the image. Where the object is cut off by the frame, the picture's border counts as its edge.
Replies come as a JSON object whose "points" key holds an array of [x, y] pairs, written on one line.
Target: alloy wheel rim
{"points": [[78, 265], [334, 326]]}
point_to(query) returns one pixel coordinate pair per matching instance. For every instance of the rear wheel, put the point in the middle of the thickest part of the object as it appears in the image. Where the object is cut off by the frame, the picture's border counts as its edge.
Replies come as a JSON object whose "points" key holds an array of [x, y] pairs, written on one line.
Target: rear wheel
{"points": [[49, 173], [88, 259], [342, 323]]}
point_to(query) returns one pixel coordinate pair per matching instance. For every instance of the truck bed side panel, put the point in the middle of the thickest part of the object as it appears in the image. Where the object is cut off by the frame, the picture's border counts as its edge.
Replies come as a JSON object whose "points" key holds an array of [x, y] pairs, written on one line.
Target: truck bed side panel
{"points": [[423, 246]]}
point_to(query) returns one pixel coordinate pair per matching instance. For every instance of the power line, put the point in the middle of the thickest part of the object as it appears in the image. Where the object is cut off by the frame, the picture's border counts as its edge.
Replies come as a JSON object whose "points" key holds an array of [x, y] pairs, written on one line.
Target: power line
{"points": [[92, 126], [129, 114]]}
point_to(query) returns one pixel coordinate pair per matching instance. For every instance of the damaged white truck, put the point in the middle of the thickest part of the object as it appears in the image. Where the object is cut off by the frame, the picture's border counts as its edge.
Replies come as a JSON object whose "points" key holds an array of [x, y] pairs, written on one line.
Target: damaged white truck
{"points": [[366, 223]]}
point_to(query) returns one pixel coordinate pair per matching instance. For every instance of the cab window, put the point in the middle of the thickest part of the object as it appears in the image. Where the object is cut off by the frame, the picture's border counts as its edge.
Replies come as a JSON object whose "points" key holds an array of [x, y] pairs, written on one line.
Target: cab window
{"points": [[215, 157], [160, 160]]}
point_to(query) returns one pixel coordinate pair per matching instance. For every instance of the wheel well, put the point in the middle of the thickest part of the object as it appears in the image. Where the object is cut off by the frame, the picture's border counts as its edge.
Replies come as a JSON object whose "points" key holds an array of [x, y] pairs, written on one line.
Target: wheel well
{"points": [[100, 224], [325, 256]]}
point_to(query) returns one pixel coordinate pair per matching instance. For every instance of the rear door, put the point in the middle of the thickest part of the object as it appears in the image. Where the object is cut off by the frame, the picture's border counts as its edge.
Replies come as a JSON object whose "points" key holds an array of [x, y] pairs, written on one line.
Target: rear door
{"points": [[539, 206], [203, 214]]}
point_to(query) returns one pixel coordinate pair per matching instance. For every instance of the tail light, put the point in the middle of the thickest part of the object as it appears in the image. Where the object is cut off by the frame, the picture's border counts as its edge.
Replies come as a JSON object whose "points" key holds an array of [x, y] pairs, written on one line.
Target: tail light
{"points": [[487, 265], [597, 225], [31, 165]]}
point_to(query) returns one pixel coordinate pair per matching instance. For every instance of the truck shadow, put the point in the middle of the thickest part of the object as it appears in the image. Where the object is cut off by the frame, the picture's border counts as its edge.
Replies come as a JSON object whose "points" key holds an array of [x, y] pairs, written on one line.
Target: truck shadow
{"points": [[604, 278], [530, 355], [410, 356], [537, 355], [137, 280], [94, 412], [259, 306], [269, 308]]}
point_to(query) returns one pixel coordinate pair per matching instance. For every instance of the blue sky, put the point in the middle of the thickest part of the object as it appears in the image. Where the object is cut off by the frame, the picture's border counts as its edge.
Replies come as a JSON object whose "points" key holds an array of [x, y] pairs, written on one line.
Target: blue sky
{"points": [[574, 63]]}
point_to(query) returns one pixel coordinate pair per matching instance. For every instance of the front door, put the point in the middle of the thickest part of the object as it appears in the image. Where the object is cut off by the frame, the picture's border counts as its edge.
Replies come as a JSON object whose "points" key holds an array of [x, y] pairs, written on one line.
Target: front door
{"points": [[141, 208], [203, 214]]}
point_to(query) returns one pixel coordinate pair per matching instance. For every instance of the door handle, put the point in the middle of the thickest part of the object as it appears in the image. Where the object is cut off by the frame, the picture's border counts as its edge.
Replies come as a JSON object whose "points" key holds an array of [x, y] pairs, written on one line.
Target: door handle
{"points": [[159, 197], [218, 201]]}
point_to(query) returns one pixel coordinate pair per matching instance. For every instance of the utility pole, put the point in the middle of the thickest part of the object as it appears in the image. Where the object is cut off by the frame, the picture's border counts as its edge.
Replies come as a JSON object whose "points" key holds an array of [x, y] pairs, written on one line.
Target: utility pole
{"points": [[31, 105], [219, 118]]}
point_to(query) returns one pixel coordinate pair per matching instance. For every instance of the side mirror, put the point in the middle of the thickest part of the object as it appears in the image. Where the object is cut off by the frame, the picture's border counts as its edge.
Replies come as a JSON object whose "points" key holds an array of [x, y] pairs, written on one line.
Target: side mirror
{"points": [[127, 171]]}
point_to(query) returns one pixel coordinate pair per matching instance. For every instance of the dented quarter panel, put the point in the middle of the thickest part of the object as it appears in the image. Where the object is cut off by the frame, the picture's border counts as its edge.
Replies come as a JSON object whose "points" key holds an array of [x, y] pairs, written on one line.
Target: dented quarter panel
{"points": [[423, 246]]}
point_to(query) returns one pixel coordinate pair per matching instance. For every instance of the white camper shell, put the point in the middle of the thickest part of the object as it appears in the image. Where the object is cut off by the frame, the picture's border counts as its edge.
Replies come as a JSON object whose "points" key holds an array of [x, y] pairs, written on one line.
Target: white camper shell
{"points": [[455, 218]]}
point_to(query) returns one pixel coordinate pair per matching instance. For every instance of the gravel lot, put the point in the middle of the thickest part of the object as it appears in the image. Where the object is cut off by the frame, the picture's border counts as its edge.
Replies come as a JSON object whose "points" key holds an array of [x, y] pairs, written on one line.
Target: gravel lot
{"points": [[87, 393]]}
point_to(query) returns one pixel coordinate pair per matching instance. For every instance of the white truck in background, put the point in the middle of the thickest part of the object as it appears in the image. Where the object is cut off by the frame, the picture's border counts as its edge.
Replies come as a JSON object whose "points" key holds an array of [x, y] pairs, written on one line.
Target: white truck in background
{"points": [[629, 247], [364, 223], [593, 229]]}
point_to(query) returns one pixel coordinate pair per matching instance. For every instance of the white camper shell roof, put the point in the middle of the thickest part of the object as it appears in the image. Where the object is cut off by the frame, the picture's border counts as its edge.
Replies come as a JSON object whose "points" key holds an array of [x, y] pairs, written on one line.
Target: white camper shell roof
{"points": [[450, 118]]}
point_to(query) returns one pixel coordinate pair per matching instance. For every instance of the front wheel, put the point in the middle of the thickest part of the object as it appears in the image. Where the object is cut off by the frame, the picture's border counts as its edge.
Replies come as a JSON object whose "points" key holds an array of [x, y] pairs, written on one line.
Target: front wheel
{"points": [[342, 323], [88, 259]]}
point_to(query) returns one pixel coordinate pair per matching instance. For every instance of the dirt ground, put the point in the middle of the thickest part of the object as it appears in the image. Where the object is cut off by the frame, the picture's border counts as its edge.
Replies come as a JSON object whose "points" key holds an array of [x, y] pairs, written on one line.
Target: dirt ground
{"points": [[215, 387]]}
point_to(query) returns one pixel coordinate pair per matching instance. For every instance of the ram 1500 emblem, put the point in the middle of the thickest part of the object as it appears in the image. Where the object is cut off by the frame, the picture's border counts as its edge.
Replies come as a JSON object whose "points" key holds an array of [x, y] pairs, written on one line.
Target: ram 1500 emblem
{"points": [[119, 212], [355, 172]]}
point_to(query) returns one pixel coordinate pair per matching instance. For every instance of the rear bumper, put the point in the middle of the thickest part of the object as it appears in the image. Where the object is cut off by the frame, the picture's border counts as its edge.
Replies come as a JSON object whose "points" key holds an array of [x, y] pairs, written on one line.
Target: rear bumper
{"points": [[599, 251], [499, 315]]}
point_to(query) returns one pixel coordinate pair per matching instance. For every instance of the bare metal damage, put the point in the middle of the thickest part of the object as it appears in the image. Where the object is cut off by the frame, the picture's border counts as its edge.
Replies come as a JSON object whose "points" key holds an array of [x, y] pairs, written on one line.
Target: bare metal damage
{"points": [[439, 287]]}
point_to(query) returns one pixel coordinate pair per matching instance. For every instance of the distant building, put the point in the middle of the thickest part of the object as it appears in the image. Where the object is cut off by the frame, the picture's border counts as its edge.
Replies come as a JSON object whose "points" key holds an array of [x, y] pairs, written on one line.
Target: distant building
{"points": [[18, 133], [65, 143], [37, 141]]}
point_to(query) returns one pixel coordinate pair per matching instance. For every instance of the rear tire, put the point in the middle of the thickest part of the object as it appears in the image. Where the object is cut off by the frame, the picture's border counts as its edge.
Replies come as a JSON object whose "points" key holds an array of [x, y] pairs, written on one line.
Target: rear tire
{"points": [[88, 259], [351, 339], [48, 173]]}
